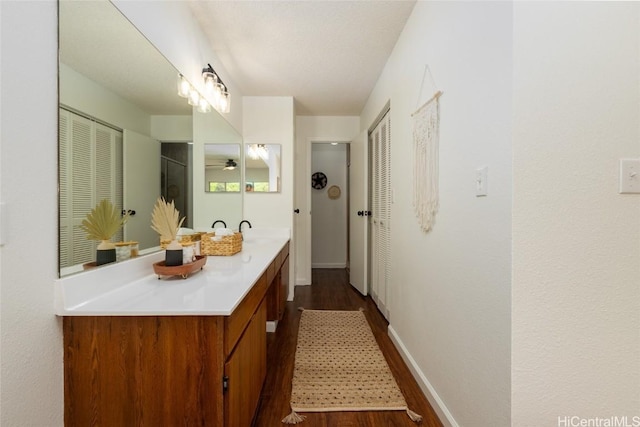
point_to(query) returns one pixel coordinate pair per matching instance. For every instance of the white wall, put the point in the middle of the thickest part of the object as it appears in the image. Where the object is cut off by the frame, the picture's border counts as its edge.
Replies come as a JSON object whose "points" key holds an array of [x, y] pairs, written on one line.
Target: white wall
{"points": [[256, 174], [329, 216], [576, 241], [172, 128], [208, 207], [31, 338], [309, 129], [219, 175], [31, 335], [85, 95], [449, 296], [172, 29], [271, 120]]}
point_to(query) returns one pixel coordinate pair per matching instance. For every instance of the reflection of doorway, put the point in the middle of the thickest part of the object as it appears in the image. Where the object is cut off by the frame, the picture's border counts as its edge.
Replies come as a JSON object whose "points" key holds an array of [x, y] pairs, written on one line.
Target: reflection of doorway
{"points": [[330, 206], [175, 172]]}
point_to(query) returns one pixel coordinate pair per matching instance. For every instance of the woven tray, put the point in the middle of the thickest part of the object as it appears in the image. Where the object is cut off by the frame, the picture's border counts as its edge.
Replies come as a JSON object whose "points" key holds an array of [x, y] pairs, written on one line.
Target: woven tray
{"points": [[227, 246], [179, 270]]}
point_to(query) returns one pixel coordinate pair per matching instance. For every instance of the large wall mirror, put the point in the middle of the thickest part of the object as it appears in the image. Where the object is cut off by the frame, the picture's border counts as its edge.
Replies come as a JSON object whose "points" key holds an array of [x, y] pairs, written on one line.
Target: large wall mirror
{"points": [[124, 133], [262, 168]]}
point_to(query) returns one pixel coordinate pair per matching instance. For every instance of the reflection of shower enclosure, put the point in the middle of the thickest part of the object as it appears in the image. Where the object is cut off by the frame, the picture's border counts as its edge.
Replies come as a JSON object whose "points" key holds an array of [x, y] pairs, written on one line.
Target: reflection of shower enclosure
{"points": [[174, 175]]}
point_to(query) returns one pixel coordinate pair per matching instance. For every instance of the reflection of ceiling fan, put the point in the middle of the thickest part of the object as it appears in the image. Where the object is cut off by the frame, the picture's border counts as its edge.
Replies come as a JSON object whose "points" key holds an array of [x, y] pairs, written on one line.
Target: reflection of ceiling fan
{"points": [[228, 165]]}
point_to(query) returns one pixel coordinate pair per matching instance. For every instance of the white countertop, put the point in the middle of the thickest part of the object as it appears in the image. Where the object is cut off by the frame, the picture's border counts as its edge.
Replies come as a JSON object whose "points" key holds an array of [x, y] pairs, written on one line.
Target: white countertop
{"points": [[131, 288]]}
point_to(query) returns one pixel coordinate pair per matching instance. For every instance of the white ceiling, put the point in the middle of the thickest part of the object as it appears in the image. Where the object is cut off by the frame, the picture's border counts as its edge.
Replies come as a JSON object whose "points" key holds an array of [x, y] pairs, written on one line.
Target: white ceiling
{"points": [[327, 54], [100, 43]]}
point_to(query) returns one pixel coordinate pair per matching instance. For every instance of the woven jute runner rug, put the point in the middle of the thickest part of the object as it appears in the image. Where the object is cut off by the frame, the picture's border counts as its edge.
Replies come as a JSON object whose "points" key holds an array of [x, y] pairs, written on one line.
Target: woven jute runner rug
{"points": [[339, 367]]}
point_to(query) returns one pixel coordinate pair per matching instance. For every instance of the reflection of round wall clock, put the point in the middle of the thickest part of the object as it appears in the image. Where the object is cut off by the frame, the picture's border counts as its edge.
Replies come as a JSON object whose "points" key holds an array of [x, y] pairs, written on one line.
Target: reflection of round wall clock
{"points": [[334, 192], [318, 180]]}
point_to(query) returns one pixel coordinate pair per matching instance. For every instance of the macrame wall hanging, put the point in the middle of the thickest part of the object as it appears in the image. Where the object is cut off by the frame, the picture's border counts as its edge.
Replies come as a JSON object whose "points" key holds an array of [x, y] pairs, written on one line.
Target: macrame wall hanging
{"points": [[426, 132]]}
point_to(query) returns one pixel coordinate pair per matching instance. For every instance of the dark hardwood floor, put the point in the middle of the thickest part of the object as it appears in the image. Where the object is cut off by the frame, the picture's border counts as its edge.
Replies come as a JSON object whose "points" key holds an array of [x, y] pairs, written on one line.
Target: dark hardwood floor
{"points": [[330, 290]]}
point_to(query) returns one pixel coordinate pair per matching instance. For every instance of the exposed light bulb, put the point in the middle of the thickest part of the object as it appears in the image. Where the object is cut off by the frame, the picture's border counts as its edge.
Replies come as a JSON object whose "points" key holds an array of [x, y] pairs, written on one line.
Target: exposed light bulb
{"points": [[252, 152], [262, 151], [203, 105], [183, 87], [194, 98], [224, 104], [210, 82]]}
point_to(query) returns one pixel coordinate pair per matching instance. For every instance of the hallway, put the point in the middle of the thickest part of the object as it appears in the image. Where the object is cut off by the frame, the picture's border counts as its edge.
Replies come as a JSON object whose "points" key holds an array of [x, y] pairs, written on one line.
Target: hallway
{"points": [[330, 290]]}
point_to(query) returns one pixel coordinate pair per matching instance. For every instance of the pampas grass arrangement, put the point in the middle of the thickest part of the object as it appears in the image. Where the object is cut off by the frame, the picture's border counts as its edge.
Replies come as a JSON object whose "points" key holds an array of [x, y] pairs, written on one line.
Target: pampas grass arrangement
{"points": [[103, 221], [165, 219], [101, 224]]}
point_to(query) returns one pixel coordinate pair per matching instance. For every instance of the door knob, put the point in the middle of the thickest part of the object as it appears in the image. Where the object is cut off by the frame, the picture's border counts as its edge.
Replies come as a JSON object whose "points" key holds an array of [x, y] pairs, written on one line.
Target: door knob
{"points": [[360, 213], [297, 211], [128, 211]]}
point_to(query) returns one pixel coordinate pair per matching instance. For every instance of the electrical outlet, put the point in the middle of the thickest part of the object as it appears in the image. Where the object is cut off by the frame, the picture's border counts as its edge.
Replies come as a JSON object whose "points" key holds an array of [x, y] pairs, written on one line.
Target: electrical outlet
{"points": [[629, 176]]}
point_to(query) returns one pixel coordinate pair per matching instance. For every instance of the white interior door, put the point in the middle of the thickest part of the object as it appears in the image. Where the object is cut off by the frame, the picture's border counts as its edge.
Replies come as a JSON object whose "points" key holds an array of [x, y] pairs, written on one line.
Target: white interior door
{"points": [[141, 176], [357, 222]]}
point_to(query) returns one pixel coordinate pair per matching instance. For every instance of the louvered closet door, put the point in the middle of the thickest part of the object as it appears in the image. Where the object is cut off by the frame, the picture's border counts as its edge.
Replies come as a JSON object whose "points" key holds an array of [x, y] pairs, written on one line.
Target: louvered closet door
{"points": [[90, 165], [380, 202]]}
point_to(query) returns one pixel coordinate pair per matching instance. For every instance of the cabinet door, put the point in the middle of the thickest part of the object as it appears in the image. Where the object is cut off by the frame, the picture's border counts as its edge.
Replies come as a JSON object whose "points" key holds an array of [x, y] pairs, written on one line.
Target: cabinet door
{"points": [[284, 287], [273, 298], [246, 369]]}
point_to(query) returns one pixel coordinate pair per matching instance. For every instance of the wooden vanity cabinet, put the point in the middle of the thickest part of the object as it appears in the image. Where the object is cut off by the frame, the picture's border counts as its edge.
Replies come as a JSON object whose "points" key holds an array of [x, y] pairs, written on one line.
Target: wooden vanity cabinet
{"points": [[279, 289], [143, 370], [169, 370]]}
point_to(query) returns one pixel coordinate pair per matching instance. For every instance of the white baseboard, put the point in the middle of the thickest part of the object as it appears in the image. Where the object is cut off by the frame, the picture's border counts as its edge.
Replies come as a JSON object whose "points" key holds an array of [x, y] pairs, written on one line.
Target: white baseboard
{"points": [[432, 396], [272, 325], [303, 282], [329, 265]]}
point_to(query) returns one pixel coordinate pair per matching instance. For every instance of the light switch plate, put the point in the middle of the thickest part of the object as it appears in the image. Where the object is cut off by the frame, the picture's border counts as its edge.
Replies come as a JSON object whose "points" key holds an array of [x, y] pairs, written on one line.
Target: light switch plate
{"points": [[629, 176], [482, 174]]}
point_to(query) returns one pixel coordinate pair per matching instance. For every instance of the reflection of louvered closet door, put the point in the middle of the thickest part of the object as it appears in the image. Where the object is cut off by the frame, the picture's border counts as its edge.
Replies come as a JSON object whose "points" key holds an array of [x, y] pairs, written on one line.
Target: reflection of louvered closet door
{"points": [[380, 203], [90, 170]]}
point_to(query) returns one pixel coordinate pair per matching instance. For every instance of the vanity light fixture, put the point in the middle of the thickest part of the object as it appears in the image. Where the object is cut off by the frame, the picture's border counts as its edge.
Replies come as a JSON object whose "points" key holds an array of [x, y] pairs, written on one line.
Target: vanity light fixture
{"points": [[258, 151], [215, 87], [183, 87]]}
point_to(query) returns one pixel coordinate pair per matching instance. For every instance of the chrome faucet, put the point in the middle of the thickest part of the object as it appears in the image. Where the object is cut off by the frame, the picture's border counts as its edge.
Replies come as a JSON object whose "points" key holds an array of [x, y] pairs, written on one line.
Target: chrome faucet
{"points": [[224, 224], [242, 222]]}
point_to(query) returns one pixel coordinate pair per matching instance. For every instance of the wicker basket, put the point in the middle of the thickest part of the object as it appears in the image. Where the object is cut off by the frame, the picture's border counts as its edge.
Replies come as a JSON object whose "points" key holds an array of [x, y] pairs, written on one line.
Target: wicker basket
{"points": [[227, 246], [187, 238]]}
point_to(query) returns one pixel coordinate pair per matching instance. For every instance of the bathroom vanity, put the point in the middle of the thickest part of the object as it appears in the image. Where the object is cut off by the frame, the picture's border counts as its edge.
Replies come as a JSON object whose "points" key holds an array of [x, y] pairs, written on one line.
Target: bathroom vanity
{"points": [[165, 352]]}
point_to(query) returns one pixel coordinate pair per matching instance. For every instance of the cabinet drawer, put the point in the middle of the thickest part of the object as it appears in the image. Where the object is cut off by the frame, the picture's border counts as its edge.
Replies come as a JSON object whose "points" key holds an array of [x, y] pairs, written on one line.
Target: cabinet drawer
{"points": [[235, 324]]}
